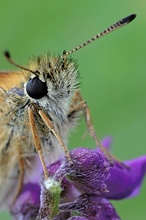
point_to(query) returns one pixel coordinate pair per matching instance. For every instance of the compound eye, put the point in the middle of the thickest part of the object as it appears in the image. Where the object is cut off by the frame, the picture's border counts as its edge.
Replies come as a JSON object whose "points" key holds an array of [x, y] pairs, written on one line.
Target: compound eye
{"points": [[36, 89]]}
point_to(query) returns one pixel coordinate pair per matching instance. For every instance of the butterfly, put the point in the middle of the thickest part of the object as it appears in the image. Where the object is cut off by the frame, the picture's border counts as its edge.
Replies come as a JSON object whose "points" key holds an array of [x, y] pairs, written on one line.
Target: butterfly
{"points": [[39, 105]]}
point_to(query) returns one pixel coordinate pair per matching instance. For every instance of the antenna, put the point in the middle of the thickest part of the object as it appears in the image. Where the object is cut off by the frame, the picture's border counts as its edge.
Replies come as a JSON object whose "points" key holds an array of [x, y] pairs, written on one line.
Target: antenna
{"points": [[8, 57], [110, 29]]}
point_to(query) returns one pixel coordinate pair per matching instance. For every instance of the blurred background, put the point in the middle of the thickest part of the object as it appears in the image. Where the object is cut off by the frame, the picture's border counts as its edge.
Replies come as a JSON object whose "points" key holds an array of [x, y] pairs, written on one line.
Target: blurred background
{"points": [[113, 69]]}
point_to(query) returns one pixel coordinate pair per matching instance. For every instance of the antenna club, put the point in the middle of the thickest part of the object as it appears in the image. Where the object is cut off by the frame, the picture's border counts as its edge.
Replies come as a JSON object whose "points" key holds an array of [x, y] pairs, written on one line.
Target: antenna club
{"points": [[129, 18], [64, 52], [7, 54]]}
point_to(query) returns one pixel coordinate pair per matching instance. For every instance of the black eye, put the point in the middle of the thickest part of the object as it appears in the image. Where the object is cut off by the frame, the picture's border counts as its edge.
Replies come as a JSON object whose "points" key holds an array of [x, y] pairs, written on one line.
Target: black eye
{"points": [[36, 89]]}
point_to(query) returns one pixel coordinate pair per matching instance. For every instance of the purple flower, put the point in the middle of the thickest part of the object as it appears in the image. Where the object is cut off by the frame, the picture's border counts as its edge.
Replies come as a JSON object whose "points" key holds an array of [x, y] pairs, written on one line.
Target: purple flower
{"points": [[26, 206], [81, 191]]}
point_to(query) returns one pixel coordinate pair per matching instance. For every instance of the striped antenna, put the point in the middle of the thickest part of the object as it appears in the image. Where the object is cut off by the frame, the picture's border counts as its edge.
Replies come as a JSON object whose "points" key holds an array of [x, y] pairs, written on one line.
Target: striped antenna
{"points": [[110, 29]]}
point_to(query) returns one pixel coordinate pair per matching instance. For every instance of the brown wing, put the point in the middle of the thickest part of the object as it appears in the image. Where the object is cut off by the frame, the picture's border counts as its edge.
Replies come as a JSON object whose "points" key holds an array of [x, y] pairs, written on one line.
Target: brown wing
{"points": [[8, 170], [9, 147], [11, 79]]}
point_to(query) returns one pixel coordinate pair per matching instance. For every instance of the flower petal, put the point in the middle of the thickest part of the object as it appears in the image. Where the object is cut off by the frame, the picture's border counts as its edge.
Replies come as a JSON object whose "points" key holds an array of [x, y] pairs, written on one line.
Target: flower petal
{"points": [[106, 142], [77, 218], [92, 207], [27, 204], [89, 170], [126, 181]]}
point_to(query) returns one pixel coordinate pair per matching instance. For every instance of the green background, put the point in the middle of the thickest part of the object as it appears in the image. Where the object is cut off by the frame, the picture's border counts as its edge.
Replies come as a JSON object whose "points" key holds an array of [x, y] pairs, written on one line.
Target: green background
{"points": [[113, 69]]}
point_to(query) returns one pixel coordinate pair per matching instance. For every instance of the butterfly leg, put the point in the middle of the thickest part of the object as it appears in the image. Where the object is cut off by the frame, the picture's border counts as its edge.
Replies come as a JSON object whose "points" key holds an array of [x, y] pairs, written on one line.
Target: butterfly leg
{"points": [[20, 178], [78, 104], [49, 124], [37, 142]]}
